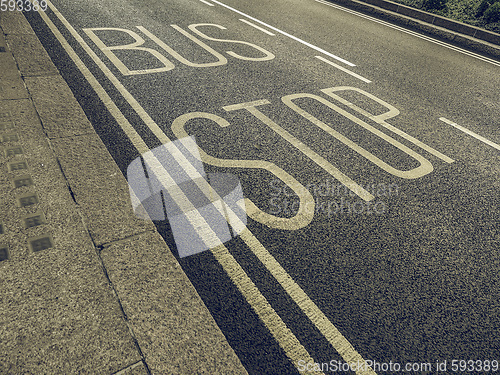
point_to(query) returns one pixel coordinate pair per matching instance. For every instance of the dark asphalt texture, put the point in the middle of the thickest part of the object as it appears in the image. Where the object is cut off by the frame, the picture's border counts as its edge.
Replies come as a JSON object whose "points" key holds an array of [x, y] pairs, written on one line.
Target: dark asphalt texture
{"points": [[416, 282]]}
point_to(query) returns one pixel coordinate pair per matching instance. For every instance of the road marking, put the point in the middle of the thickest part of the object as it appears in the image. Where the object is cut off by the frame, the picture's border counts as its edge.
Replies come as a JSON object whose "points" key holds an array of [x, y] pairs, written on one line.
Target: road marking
{"points": [[343, 69], [470, 132], [257, 27], [136, 45], [268, 55], [167, 64], [380, 119], [331, 333], [285, 338], [305, 213], [103, 95], [206, 2], [221, 60], [429, 39], [318, 159], [327, 329], [286, 34], [423, 169]]}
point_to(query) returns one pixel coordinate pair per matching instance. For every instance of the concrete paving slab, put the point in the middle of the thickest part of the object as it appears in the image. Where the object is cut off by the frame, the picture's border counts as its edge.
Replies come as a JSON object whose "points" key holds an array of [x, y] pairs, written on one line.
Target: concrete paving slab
{"points": [[99, 188], [15, 23], [173, 327], [11, 84], [59, 316], [3, 44], [60, 116], [12, 89], [9, 67], [136, 369], [58, 313], [31, 57]]}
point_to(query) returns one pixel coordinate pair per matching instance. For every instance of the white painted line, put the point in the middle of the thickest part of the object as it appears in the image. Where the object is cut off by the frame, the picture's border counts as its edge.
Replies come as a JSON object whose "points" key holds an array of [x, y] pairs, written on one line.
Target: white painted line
{"points": [[470, 132], [429, 39], [257, 27], [380, 119], [286, 34], [318, 159], [343, 69], [206, 2], [285, 338]]}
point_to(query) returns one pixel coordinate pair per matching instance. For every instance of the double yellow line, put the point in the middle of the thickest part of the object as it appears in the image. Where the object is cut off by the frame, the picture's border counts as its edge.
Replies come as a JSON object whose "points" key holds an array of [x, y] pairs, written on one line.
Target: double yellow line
{"points": [[285, 338]]}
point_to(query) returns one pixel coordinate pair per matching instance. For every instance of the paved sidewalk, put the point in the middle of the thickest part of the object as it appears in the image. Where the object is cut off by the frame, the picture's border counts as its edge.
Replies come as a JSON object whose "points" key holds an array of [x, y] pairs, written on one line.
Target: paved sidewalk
{"points": [[85, 286]]}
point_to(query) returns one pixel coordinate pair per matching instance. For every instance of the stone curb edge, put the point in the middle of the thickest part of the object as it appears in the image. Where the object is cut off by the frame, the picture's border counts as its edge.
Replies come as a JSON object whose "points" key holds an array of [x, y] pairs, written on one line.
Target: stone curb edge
{"points": [[467, 36], [36, 65]]}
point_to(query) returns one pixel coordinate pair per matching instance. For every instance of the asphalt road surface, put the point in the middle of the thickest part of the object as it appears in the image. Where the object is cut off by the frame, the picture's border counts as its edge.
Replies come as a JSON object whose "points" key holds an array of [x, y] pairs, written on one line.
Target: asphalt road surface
{"points": [[368, 156]]}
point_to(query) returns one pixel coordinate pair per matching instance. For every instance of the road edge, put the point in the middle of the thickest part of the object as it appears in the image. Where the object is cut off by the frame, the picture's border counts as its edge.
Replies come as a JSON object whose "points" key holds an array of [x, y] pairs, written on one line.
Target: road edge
{"points": [[466, 36], [123, 241]]}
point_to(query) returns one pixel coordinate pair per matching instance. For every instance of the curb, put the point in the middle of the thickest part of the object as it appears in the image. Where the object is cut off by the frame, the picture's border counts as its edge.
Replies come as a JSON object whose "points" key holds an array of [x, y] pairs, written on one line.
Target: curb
{"points": [[102, 293], [459, 33]]}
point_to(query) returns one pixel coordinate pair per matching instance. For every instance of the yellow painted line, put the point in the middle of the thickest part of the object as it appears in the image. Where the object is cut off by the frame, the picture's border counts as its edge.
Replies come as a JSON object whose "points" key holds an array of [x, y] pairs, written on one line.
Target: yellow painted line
{"points": [[306, 150], [327, 329], [103, 95], [406, 31], [331, 333], [257, 27], [471, 133], [290, 344], [292, 347], [285, 338], [286, 34], [343, 69]]}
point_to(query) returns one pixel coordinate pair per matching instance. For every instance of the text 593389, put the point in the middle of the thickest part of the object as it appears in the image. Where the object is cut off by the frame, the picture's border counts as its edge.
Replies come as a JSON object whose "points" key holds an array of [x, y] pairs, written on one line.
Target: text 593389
{"points": [[23, 5]]}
